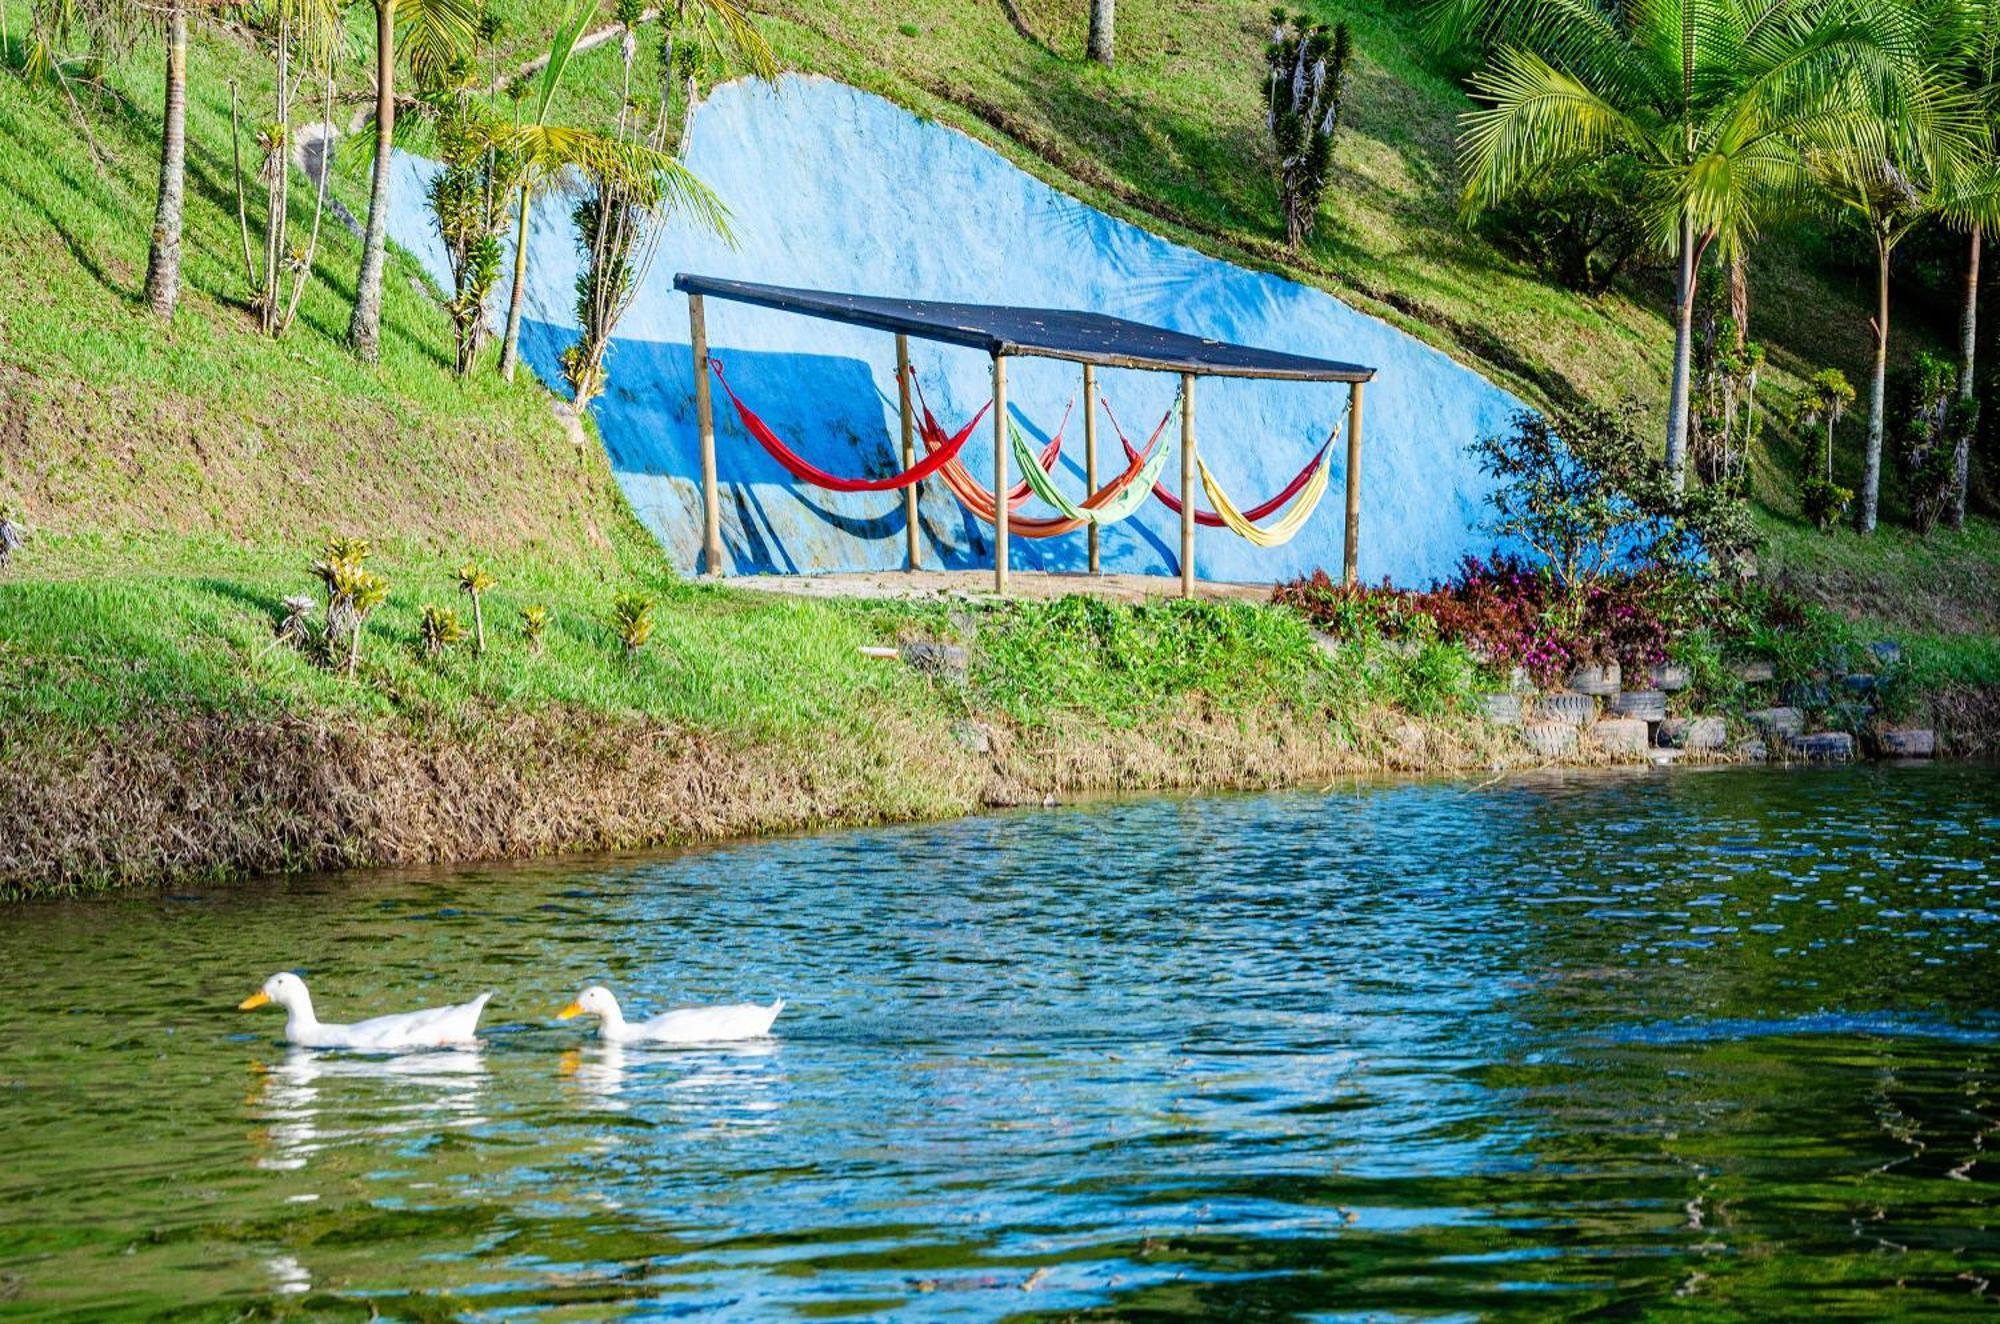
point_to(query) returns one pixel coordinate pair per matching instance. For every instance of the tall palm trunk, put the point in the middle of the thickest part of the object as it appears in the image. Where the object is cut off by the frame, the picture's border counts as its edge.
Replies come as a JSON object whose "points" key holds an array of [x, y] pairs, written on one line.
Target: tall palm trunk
{"points": [[1677, 399], [365, 331], [510, 346], [163, 259], [1871, 471], [1968, 336], [1103, 15]]}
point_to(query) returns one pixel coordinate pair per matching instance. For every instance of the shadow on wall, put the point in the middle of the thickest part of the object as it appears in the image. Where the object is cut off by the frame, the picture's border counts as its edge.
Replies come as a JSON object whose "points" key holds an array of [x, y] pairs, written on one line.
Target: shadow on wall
{"points": [[834, 412]]}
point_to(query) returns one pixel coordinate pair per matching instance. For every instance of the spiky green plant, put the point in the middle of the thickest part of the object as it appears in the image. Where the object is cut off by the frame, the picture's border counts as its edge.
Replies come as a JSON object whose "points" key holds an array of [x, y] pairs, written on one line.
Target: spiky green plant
{"points": [[1305, 86], [632, 619], [440, 629], [534, 620], [473, 581]]}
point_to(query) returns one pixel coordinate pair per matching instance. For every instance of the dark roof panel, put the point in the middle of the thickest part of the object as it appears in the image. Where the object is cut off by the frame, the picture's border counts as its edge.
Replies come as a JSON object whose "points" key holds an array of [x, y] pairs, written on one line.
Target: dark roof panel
{"points": [[1048, 332]]}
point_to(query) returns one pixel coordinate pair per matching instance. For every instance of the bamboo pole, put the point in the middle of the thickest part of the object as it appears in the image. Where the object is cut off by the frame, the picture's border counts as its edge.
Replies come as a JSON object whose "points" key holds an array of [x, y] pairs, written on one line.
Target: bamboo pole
{"points": [[704, 421], [909, 450], [1090, 448], [1350, 554], [1187, 484], [1001, 513]]}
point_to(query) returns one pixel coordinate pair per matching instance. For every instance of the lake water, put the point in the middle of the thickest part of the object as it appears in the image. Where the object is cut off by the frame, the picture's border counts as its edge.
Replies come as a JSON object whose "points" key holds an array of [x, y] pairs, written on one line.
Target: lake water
{"points": [[1723, 1043]]}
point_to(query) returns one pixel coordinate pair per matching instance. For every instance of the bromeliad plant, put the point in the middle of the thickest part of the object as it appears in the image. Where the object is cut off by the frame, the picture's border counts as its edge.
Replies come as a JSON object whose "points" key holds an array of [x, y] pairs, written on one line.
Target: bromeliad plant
{"points": [[353, 592], [632, 620], [1932, 422], [440, 630], [473, 581], [534, 620]]}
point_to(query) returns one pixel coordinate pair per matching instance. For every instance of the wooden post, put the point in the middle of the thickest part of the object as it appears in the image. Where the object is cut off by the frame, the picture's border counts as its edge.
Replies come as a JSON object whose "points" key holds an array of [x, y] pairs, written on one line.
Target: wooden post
{"points": [[1187, 484], [1349, 562], [909, 449], [704, 422], [1001, 515], [1090, 447]]}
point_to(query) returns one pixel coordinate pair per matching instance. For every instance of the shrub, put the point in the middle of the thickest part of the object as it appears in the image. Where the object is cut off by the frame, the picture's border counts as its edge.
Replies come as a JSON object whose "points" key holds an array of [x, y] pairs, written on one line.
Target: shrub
{"points": [[632, 619], [1581, 232], [1305, 84], [1824, 502], [1587, 495], [1931, 420]]}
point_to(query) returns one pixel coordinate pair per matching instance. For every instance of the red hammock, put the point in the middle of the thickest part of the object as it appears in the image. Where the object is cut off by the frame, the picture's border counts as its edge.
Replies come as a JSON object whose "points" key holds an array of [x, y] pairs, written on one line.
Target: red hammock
{"points": [[1209, 518], [805, 471], [979, 500]]}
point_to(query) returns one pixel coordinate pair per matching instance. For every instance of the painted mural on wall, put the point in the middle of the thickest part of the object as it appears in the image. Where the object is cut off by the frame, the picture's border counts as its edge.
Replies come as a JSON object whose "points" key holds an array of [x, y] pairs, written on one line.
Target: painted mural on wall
{"points": [[833, 188]]}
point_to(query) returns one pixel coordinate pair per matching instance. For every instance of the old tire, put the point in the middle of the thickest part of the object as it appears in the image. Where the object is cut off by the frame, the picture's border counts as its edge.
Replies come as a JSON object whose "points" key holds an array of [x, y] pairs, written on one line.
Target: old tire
{"points": [[1595, 680], [1646, 705], [1552, 740], [1565, 706]]}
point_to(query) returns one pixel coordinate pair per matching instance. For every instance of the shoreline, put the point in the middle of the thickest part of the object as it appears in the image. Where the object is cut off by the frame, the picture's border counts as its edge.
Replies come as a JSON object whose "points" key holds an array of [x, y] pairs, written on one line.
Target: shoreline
{"points": [[212, 799]]}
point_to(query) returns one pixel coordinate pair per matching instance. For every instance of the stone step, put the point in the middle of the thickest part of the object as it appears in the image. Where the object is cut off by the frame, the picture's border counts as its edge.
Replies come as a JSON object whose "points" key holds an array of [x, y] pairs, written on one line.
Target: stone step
{"points": [[1778, 723], [1624, 736], [1907, 742], [1823, 747]]}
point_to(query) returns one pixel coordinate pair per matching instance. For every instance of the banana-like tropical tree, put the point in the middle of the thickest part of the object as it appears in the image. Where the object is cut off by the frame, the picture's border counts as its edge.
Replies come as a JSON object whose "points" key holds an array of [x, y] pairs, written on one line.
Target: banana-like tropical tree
{"points": [[1713, 99], [435, 35], [555, 156]]}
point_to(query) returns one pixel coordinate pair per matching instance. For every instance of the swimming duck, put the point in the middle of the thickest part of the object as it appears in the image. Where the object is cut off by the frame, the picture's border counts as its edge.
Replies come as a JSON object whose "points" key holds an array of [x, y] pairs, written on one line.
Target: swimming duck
{"points": [[688, 1025], [433, 1027]]}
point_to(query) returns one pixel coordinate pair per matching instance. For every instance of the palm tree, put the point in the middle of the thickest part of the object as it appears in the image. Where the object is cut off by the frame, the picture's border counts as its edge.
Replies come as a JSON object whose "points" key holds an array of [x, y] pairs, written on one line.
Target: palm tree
{"points": [[1103, 20], [435, 33], [1711, 98], [1910, 174], [1972, 61], [163, 254]]}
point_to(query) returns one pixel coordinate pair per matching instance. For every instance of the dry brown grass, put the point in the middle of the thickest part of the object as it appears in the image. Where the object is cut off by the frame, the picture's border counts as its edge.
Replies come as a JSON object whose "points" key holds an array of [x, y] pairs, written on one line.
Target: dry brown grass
{"points": [[184, 798]]}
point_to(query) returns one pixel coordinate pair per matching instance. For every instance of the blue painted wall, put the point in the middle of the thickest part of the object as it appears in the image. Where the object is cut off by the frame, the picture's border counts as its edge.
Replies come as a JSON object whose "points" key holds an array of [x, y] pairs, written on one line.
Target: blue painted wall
{"points": [[834, 188]]}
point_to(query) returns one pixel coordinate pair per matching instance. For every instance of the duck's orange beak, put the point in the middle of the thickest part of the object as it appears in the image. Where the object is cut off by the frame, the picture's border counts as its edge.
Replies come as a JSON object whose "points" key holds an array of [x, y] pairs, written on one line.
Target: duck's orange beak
{"points": [[572, 1010], [257, 999]]}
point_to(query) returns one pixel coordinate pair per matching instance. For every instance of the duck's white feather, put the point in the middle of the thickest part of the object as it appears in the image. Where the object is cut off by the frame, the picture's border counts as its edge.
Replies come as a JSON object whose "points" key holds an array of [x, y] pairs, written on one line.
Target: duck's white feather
{"points": [[698, 1025], [432, 1027]]}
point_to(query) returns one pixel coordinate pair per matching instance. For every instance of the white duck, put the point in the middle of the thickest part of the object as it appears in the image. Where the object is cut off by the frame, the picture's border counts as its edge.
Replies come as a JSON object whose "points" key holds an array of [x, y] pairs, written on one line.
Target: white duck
{"points": [[687, 1025], [433, 1027]]}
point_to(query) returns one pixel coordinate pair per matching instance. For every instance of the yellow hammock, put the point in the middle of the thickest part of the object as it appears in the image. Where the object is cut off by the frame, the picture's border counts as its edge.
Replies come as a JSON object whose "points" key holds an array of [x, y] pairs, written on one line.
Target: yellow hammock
{"points": [[1286, 527]]}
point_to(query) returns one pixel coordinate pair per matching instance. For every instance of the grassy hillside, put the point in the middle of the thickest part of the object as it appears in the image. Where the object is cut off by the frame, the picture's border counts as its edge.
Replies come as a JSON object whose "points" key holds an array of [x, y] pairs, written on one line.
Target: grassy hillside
{"points": [[176, 483]]}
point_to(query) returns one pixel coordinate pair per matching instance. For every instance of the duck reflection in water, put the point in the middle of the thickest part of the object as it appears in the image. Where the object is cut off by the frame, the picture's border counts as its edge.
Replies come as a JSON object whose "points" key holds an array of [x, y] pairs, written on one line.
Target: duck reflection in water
{"points": [[313, 1100], [723, 1087]]}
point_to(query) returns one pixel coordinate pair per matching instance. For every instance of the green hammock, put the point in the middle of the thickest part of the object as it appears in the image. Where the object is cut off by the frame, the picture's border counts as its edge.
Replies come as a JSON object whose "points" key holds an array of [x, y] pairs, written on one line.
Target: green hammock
{"points": [[1122, 505]]}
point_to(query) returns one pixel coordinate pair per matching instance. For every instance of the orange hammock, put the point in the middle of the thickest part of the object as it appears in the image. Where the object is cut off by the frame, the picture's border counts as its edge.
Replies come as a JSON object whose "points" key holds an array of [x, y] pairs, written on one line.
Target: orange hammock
{"points": [[978, 499]]}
